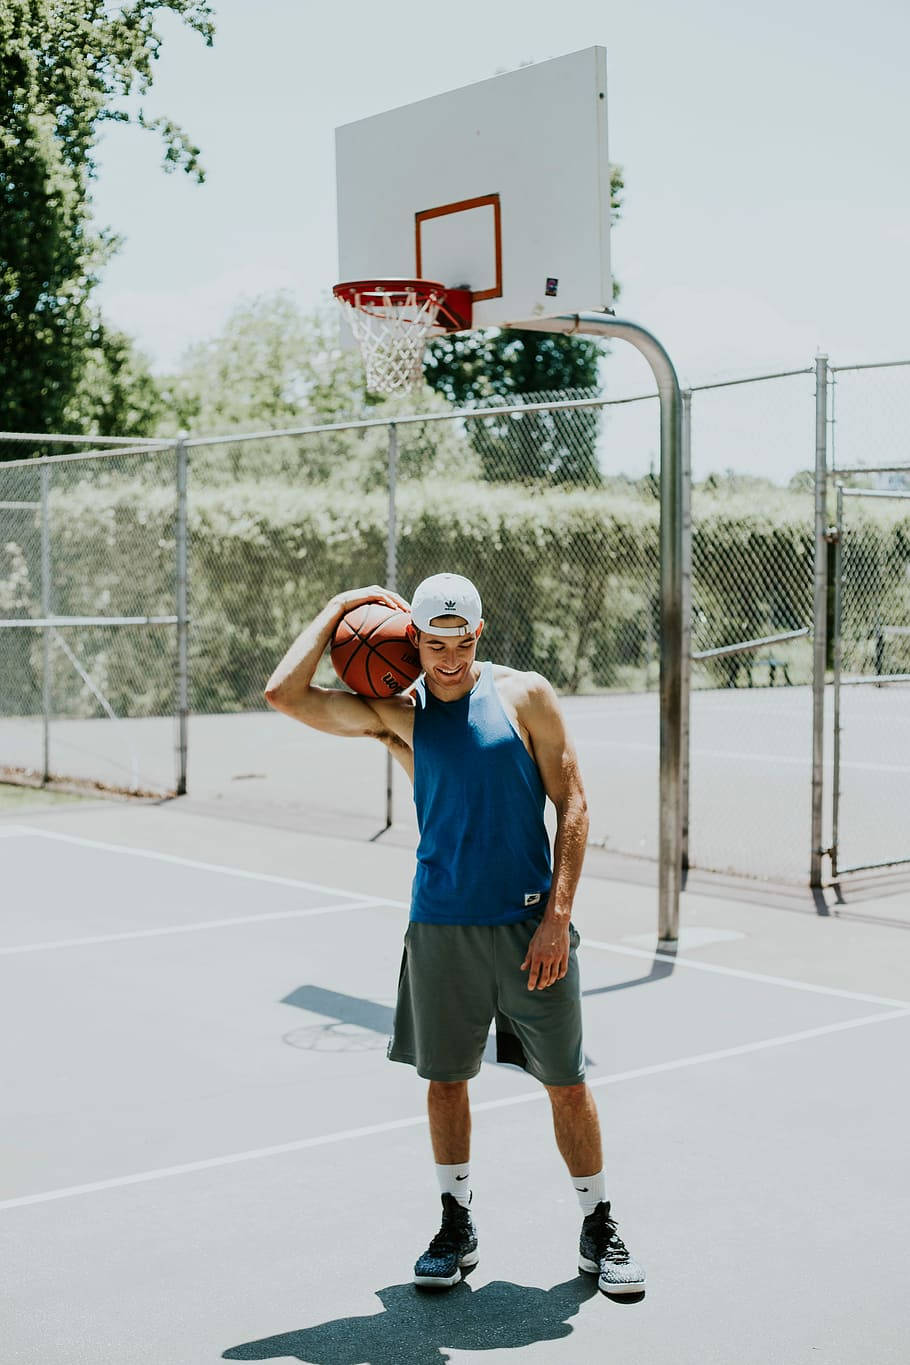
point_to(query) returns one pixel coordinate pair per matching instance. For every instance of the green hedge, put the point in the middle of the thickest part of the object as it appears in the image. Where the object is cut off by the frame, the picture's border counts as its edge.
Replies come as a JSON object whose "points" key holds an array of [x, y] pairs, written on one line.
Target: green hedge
{"points": [[569, 578]]}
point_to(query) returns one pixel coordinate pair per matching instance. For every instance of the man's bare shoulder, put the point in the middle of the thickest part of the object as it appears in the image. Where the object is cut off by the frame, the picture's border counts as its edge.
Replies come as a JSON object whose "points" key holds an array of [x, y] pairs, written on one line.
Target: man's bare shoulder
{"points": [[523, 688], [396, 715], [400, 704]]}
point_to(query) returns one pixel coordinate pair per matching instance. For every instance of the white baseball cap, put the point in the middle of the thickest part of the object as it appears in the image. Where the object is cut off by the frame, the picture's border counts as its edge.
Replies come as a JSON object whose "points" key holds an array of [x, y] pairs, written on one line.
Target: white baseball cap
{"points": [[446, 594]]}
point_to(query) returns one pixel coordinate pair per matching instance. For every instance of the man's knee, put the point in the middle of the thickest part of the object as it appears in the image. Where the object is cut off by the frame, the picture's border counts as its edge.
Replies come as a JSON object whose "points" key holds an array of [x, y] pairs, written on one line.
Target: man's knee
{"points": [[448, 1092], [570, 1097]]}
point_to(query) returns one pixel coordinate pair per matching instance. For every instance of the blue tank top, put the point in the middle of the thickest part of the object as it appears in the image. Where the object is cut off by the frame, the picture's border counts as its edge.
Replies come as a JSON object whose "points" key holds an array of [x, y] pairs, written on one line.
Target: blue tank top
{"points": [[484, 851]]}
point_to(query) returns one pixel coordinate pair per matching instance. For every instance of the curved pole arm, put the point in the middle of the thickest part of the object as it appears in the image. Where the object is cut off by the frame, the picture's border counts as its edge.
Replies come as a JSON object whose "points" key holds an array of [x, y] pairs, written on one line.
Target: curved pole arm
{"points": [[671, 592]]}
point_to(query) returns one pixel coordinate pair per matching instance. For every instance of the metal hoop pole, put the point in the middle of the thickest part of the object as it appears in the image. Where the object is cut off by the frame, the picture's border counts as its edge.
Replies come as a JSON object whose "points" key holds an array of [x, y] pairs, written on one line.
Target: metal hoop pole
{"points": [[671, 595]]}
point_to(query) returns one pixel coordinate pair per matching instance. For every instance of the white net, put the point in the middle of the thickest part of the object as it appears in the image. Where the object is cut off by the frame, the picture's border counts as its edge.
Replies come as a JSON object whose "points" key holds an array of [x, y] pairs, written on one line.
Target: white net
{"points": [[391, 327]]}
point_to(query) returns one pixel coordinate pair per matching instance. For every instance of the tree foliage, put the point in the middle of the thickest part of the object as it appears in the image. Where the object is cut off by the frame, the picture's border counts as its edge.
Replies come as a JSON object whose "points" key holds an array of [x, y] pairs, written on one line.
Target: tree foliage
{"points": [[274, 367], [270, 366], [470, 368], [64, 66], [117, 394]]}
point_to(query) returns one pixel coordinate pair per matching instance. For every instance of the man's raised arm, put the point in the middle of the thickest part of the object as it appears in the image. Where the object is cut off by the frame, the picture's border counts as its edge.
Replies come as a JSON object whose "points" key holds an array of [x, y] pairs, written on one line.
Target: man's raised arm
{"points": [[291, 689]]}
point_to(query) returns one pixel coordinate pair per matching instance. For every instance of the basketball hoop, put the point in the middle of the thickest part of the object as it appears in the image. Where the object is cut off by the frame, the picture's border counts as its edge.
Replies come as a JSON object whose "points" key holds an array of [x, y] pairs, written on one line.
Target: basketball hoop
{"points": [[392, 319]]}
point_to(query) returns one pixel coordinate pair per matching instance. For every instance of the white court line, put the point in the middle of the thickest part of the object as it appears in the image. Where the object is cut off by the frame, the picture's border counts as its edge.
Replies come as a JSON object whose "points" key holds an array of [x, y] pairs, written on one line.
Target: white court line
{"points": [[7, 830], [743, 975], [178, 861], [698, 753], [875, 767], [359, 900], [727, 754], [417, 1120], [185, 928], [576, 718], [803, 762]]}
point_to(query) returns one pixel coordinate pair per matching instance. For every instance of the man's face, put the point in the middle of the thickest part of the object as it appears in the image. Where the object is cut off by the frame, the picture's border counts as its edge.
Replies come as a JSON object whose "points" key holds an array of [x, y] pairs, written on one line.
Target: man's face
{"points": [[447, 659]]}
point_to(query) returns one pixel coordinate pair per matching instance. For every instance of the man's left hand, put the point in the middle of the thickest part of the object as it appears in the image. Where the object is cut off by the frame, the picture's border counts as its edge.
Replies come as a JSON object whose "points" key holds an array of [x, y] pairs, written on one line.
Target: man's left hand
{"points": [[547, 958]]}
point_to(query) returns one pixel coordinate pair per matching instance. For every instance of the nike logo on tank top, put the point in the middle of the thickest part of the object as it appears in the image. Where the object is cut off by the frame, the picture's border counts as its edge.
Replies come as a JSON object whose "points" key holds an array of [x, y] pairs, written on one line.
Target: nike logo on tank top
{"points": [[484, 851]]}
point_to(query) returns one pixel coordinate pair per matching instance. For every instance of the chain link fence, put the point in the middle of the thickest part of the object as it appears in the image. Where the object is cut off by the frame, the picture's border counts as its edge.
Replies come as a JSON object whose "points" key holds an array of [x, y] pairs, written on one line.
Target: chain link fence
{"points": [[871, 679], [753, 548], [278, 525], [550, 504], [87, 637], [871, 643]]}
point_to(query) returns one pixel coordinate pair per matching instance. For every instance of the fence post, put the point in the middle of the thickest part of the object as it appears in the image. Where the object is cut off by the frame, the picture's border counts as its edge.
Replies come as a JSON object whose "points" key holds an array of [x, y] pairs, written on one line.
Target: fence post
{"points": [[46, 689], [838, 660], [819, 616], [182, 612], [391, 574], [686, 678]]}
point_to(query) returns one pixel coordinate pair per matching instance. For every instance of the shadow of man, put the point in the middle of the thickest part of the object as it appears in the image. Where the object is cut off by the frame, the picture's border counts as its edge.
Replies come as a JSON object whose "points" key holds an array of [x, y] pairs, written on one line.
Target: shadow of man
{"points": [[416, 1326]]}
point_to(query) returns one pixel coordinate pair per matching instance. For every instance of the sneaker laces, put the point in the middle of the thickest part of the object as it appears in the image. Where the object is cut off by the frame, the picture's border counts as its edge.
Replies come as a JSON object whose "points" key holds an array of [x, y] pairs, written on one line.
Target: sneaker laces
{"points": [[615, 1249], [449, 1235], [445, 1240]]}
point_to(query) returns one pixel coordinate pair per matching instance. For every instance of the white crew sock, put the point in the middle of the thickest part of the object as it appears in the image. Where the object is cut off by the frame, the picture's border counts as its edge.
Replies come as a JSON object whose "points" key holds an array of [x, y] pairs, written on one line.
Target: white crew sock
{"points": [[455, 1180], [591, 1190]]}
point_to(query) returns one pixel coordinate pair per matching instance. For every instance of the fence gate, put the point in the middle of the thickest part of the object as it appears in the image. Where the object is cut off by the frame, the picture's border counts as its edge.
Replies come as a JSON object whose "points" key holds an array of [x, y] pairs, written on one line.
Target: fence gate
{"points": [[871, 786], [92, 566]]}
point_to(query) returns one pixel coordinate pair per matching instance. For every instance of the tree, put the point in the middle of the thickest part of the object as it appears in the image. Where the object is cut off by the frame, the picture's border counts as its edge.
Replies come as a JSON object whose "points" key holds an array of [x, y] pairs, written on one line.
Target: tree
{"points": [[64, 65], [271, 366], [117, 394], [471, 368]]}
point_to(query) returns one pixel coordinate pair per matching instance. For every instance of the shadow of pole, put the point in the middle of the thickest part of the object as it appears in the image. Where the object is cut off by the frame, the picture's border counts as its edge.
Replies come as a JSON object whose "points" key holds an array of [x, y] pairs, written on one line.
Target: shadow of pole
{"points": [[661, 967]]}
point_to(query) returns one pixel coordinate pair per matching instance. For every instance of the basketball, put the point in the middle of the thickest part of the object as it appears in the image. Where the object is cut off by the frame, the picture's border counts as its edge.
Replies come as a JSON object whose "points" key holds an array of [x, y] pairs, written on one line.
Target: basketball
{"points": [[371, 652]]}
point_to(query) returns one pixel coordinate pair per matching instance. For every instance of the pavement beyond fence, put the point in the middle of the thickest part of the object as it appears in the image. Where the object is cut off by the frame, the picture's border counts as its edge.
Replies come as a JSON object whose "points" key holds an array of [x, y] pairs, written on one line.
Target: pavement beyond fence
{"points": [[208, 1156], [750, 773]]}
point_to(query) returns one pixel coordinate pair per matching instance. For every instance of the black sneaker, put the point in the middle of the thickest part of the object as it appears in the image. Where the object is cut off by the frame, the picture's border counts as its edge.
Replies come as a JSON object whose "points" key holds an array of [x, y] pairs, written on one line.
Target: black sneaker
{"points": [[454, 1246], [601, 1252]]}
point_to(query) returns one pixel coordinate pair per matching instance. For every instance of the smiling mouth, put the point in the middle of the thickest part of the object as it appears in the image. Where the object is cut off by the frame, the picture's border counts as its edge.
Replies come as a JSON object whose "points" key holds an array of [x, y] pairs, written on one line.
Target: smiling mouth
{"points": [[450, 672]]}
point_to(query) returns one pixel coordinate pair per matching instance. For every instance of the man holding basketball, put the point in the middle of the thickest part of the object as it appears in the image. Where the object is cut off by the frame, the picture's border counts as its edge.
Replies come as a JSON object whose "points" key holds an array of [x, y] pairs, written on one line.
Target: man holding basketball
{"points": [[490, 934]]}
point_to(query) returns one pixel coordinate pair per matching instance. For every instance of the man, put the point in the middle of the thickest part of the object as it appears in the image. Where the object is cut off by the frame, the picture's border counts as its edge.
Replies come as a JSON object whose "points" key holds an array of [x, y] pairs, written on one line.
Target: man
{"points": [[490, 931]]}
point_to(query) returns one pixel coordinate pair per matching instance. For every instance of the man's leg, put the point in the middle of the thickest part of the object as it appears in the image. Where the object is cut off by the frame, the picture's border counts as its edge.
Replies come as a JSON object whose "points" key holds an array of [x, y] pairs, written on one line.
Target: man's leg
{"points": [[454, 1248], [601, 1250], [577, 1128], [450, 1133], [450, 1122]]}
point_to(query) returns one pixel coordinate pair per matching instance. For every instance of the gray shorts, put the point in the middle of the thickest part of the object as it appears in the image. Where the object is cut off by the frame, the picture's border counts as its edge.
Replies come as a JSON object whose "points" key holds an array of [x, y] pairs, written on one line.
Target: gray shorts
{"points": [[456, 978]]}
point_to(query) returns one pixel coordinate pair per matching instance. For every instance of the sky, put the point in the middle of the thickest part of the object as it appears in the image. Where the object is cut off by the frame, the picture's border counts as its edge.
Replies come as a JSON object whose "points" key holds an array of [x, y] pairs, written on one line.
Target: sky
{"points": [[767, 204]]}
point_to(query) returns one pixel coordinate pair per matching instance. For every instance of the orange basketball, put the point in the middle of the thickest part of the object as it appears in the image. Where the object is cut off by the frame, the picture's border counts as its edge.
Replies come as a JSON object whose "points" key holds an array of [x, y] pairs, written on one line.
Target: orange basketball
{"points": [[371, 651]]}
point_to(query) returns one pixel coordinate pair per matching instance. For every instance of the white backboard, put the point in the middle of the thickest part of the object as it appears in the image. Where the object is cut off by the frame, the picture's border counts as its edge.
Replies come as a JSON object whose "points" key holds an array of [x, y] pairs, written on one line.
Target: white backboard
{"points": [[502, 187]]}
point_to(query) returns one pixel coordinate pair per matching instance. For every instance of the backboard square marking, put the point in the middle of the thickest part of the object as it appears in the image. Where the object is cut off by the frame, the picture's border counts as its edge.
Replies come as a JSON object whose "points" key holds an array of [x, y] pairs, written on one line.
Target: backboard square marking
{"points": [[464, 206]]}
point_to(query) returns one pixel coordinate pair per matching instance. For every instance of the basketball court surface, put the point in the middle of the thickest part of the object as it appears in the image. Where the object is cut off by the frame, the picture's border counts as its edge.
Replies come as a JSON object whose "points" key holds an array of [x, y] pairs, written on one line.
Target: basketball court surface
{"points": [[209, 1156]]}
